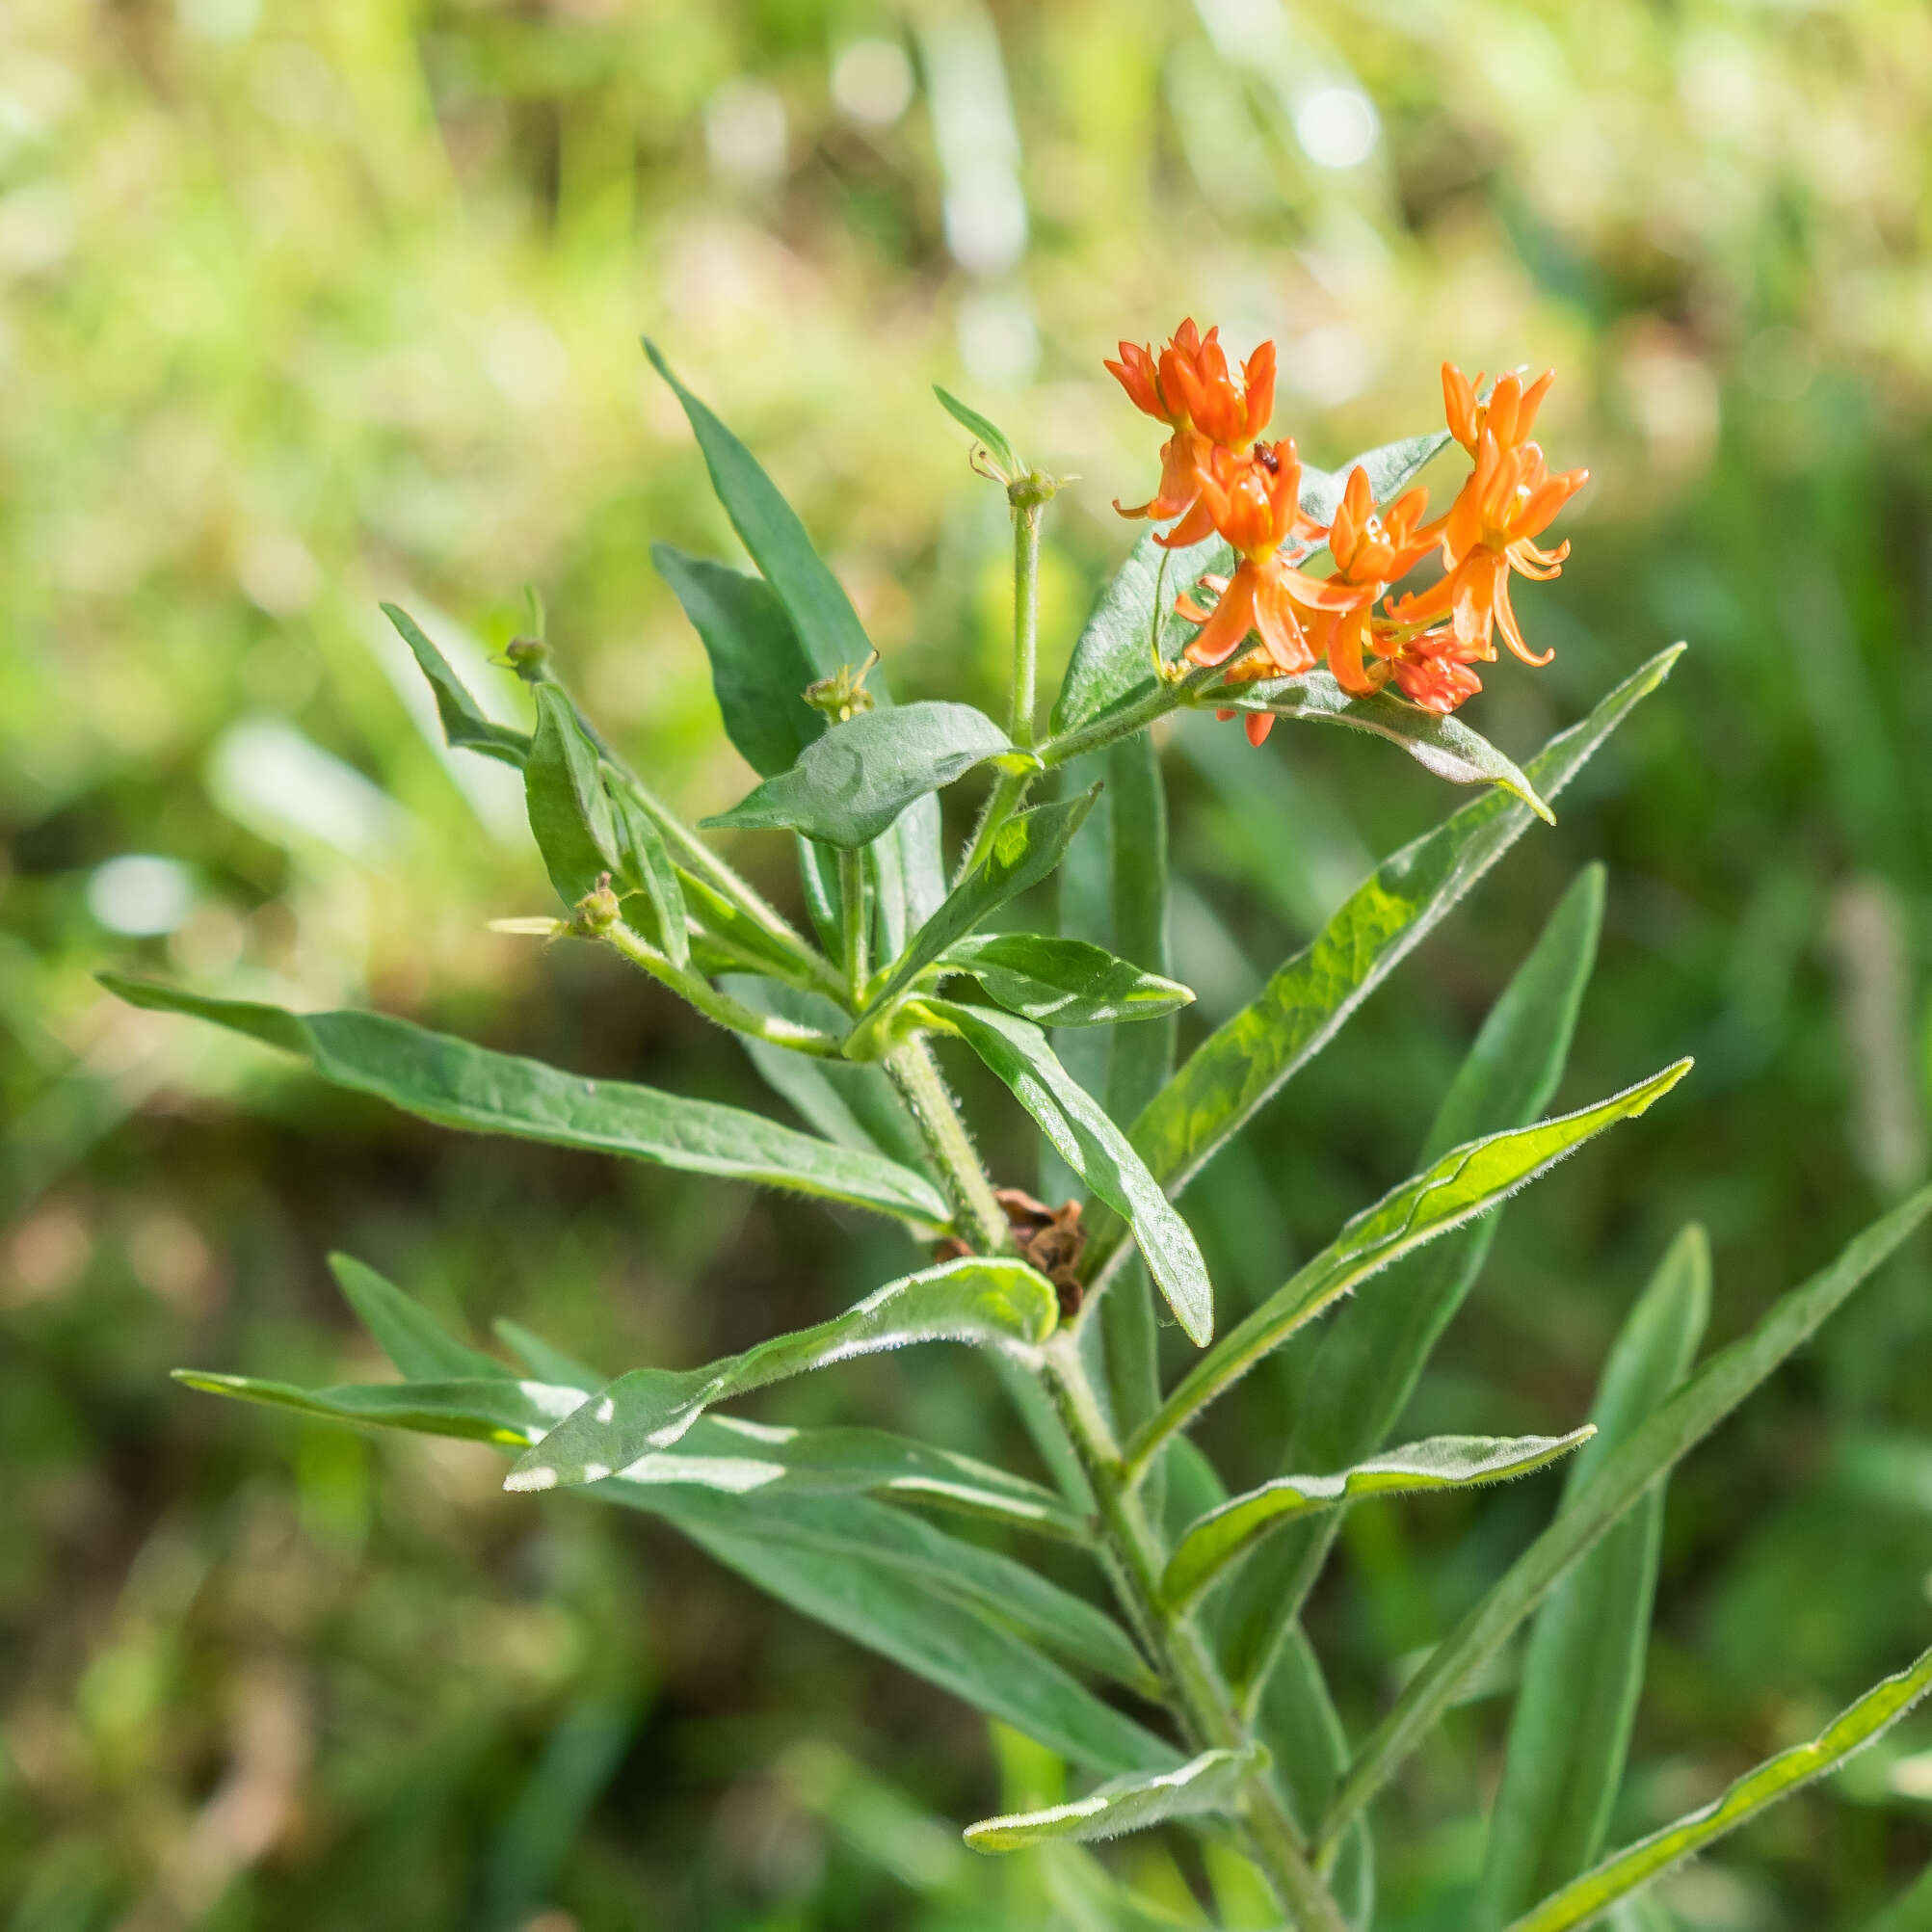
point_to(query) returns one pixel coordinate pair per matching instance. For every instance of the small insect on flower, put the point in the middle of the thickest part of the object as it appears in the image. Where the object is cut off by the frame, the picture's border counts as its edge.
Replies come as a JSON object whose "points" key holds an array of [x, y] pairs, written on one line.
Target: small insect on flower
{"points": [[1190, 388], [1253, 501]]}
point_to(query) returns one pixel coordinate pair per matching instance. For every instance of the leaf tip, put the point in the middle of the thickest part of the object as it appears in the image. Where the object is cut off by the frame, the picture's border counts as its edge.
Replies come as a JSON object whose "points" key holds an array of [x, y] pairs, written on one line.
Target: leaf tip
{"points": [[526, 1479]]}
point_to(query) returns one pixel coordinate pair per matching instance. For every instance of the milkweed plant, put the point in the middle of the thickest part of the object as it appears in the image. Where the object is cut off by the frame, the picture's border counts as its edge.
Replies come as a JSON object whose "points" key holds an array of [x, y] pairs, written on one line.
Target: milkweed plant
{"points": [[1179, 1683]]}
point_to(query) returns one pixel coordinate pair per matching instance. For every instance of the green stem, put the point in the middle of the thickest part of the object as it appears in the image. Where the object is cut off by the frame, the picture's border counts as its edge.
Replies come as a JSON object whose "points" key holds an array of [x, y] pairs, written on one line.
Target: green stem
{"points": [[979, 1218], [1027, 515], [1155, 702], [716, 1005], [852, 919], [1208, 1713]]}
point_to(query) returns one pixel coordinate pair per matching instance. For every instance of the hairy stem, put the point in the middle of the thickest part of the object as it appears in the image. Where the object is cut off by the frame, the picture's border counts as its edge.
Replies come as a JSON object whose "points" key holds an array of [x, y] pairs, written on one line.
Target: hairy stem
{"points": [[1208, 1713], [980, 1220], [852, 907], [716, 1005], [1025, 616]]}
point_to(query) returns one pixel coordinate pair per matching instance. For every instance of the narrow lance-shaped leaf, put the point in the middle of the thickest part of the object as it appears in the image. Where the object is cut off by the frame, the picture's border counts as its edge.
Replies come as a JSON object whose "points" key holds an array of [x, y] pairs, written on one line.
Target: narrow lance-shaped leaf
{"points": [[848, 787], [847, 1528], [987, 430], [998, 1303], [463, 724], [916, 1616], [1372, 1351], [418, 1345], [1465, 1182], [824, 622], [1094, 1148], [1064, 982], [760, 669], [485, 1409], [459, 1085], [544, 1360], [1209, 1782], [1440, 1462], [1570, 1729], [1627, 1474], [570, 811], [1025, 849], [1446, 746], [1587, 1898], [1244, 1062], [647, 865]]}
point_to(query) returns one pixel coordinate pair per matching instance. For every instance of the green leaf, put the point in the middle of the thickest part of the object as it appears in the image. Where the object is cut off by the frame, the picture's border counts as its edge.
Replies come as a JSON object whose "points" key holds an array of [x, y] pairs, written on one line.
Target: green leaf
{"points": [[826, 625], [1113, 656], [846, 1529], [485, 1409], [1025, 849], [1391, 466], [1209, 1782], [726, 1452], [414, 1340], [1440, 1462], [998, 1303], [1465, 1182], [848, 787], [450, 1081], [1064, 982], [758, 667], [826, 628], [1369, 1358], [570, 812], [1095, 1149], [829, 1566], [974, 424], [647, 866], [1626, 1475], [1246, 1061], [1589, 1897], [1445, 746], [1570, 1729], [463, 724]]}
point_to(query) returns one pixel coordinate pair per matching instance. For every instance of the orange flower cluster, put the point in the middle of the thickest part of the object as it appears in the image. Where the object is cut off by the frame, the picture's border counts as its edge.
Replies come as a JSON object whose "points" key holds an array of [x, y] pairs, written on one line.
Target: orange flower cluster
{"points": [[1217, 475]]}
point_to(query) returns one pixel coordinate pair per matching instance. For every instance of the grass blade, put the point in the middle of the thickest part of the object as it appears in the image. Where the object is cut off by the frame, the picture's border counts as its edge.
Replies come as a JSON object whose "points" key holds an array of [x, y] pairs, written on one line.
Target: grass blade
{"points": [[1627, 1474], [1589, 1897], [1570, 1729]]}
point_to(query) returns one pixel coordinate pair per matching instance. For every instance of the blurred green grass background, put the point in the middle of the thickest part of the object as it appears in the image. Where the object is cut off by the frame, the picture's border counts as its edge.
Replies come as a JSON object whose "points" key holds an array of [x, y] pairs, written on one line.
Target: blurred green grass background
{"points": [[305, 306]]}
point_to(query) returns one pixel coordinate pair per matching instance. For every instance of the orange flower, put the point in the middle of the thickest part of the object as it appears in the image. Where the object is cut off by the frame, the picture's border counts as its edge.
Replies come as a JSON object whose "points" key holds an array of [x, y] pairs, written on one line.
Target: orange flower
{"points": [[1253, 501], [1432, 670], [1190, 388], [1245, 670], [1509, 500], [1508, 416]]}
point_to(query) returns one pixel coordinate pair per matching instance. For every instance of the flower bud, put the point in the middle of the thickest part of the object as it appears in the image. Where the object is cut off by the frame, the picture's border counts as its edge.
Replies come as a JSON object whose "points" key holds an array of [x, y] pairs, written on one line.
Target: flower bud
{"points": [[597, 910]]}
